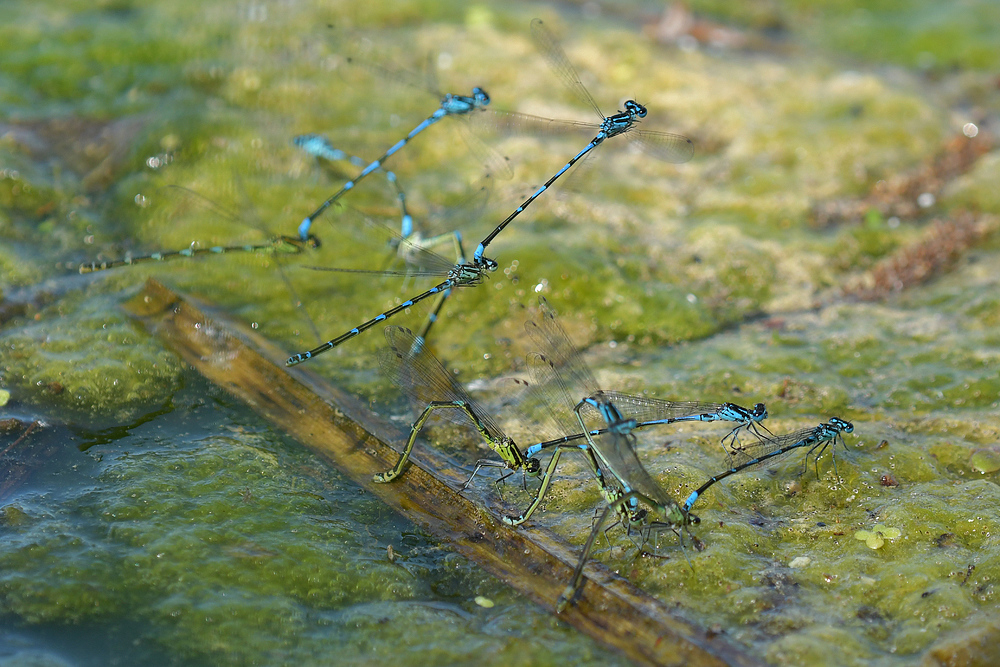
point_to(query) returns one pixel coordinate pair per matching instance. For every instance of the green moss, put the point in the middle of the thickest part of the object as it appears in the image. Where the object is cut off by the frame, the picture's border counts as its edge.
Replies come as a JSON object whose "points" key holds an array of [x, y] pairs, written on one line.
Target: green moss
{"points": [[83, 360], [975, 190], [860, 247], [230, 554], [977, 393], [913, 34]]}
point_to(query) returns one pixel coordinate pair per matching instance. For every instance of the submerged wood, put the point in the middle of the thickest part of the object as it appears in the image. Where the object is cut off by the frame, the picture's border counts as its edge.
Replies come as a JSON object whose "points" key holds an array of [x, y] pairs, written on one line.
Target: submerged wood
{"points": [[339, 428]]}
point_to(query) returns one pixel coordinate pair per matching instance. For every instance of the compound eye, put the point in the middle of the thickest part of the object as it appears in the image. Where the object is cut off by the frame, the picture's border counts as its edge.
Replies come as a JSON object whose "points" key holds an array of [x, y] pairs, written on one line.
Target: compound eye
{"points": [[635, 108]]}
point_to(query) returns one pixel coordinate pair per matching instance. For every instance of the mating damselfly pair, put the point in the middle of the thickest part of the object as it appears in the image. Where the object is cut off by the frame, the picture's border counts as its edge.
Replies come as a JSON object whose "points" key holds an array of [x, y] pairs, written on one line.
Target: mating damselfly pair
{"points": [[563, 387]]}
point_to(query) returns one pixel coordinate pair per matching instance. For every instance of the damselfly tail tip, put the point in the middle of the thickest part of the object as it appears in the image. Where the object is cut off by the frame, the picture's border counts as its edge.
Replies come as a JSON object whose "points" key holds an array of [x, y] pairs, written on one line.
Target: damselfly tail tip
{"points": [[304, 229], [687, 506], [566, 598]]}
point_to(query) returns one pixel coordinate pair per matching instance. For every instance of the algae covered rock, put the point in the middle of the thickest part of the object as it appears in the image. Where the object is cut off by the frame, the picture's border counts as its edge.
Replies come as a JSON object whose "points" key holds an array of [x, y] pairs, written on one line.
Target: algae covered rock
{"points": [[84, 361]]}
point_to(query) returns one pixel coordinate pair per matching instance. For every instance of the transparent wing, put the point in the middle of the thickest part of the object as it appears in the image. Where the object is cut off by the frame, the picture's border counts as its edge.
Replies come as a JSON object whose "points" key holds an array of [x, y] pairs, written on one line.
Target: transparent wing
{"points": [[363, 232], [495, 164], [422, 377], [645, 408], [359, 60], [199, 200], [742, 454], [548, 46], [548, 396], [251, 217], [492, 121], [663, 146], [618, 452], [553, 342]]}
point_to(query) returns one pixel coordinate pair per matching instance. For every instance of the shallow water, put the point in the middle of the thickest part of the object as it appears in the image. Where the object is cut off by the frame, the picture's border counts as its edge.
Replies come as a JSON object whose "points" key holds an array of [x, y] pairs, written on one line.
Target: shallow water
{"points": [[152, 518]]}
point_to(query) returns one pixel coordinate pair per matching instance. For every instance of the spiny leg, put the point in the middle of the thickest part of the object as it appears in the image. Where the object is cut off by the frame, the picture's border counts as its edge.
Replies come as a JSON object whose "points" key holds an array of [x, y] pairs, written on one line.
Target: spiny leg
{"points": [[570, 592]]}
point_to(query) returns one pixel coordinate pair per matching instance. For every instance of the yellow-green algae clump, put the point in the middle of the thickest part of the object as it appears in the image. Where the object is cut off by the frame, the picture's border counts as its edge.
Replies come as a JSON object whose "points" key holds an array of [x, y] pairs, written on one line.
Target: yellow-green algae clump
{"points": [[85, 359]]}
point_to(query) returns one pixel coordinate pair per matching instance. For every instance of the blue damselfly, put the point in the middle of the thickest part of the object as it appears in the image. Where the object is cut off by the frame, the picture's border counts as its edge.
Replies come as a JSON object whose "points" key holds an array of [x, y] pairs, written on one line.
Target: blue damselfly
{"points": [[661, 145], [816, 439]]}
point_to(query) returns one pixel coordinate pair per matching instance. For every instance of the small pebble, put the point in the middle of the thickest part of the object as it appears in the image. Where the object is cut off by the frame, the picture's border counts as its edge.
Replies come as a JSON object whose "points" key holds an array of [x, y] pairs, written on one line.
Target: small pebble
{"points": [[945, 539], [483, 602], [800, 561], [4, 397]]}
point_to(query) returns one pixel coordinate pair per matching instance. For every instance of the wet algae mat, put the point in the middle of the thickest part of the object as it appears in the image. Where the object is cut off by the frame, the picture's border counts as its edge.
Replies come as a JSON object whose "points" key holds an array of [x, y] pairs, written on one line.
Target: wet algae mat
{"points": [[830, 251]]}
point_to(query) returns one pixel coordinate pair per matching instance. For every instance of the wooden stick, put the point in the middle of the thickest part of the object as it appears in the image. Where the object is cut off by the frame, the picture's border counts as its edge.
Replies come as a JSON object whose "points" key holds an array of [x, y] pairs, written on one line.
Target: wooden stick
{"points": [[339, 428]]}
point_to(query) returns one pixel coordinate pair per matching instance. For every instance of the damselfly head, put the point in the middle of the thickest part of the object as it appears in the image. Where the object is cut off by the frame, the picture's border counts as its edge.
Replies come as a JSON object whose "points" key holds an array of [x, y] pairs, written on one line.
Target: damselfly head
{"points": [[633, 108], [532, 467], [638, 517], [842, 425], [759, 412], [481, 97], [487, 264]]}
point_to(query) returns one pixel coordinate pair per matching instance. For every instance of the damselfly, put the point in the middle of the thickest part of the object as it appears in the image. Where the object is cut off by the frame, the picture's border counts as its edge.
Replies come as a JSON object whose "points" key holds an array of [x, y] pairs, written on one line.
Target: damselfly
{"points": [[748, 456], [559, 374], [412, 246], [461, 274], [661, 145], [648, 411], [277, 246], [409, 364], [319, 146], [451, 105], [288, 245], [418, 373]]}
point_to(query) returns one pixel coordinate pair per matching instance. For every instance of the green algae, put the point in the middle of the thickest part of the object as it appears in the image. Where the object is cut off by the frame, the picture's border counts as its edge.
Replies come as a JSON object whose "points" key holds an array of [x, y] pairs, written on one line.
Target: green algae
{"points": [[972, 189], [985, 461], [197, 542], [86, 361], [918, 34], [227, 556]]}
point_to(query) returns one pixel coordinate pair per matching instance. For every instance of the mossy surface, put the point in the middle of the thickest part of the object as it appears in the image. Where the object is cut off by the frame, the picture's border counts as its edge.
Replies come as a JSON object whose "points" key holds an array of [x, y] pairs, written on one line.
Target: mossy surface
{"points": [[190, 528]]}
